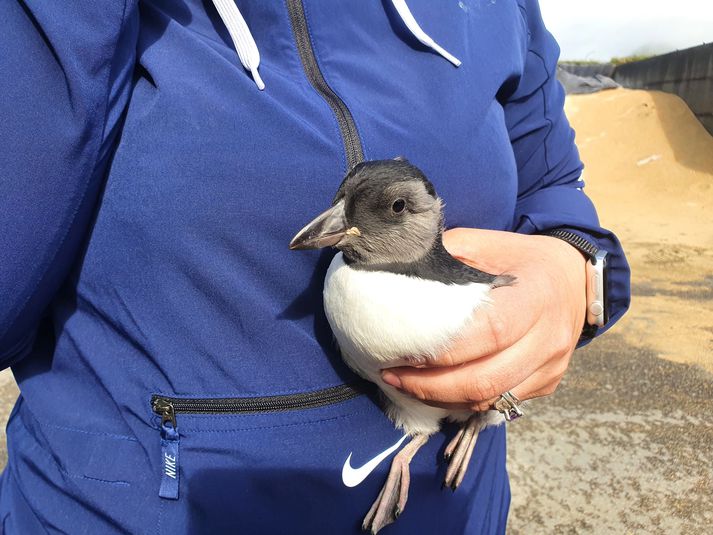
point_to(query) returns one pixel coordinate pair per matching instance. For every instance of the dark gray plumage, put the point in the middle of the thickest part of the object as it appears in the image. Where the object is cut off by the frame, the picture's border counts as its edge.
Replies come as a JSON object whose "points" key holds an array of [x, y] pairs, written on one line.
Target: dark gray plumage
{"points": [[439, 265], [408, 242]]}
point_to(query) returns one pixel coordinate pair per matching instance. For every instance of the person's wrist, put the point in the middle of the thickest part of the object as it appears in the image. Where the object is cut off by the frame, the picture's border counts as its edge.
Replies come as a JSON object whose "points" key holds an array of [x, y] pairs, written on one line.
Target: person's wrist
{"points": [[588, 249], [573, 269]]}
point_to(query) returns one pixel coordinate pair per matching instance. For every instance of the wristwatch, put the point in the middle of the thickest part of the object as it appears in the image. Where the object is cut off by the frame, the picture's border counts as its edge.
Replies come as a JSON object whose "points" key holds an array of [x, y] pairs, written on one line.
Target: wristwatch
{"points": [[596, 278]]}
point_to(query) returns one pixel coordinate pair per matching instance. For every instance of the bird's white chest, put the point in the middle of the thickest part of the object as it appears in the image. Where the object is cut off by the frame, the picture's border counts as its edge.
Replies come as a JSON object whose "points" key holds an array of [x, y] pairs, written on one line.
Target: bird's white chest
{"points": [[382, 318]]}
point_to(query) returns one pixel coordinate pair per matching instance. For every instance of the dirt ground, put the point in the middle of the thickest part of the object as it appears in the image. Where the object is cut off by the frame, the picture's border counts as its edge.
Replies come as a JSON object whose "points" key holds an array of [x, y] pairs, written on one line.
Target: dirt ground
{"points": [[649, 170], [625, 444]]}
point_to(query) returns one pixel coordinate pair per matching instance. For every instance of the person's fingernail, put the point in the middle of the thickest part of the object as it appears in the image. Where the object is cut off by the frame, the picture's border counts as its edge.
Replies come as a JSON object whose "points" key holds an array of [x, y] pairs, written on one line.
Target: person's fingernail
{"points": [[390, 378]]}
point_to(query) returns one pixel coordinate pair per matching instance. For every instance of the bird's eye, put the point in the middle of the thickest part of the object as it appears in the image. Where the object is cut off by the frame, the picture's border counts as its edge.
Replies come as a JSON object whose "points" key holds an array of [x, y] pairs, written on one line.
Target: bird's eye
{"points": [[398, 206]]}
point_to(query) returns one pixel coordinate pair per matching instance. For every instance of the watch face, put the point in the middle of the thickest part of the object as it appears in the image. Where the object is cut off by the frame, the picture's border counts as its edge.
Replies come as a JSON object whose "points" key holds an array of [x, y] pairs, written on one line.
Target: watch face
{"points": [[596, 290]]}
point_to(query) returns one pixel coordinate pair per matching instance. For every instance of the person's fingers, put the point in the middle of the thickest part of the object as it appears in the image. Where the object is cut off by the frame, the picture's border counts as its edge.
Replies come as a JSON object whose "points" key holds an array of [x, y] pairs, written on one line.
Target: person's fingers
{"points": [[494, 327], [543, 382], [474, 381], [537, 385]]}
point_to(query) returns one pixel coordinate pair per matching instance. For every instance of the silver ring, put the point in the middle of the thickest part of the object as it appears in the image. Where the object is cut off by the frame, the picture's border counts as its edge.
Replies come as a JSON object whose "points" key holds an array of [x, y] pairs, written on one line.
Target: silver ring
{"points": [[509, 406]]}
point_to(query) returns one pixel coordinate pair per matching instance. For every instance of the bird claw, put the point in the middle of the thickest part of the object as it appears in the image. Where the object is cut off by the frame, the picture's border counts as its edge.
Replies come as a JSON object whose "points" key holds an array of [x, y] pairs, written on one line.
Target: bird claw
{"points": [[450, 449], [459, 452]]}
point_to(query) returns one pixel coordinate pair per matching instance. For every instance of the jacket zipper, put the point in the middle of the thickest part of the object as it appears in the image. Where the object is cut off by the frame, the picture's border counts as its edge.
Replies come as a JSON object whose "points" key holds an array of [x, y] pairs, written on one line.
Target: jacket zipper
{"points": [[168, 407], [347, 127]]}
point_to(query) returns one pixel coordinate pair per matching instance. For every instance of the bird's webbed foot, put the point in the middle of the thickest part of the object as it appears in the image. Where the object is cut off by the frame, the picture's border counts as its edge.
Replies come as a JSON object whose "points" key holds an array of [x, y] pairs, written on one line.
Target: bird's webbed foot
{"points": [[392, 499], [460, 450]]}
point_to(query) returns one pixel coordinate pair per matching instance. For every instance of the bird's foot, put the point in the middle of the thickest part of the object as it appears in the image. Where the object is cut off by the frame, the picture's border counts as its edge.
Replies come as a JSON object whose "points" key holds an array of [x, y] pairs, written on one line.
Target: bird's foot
{"points": [[460, 450], [392, 499]]}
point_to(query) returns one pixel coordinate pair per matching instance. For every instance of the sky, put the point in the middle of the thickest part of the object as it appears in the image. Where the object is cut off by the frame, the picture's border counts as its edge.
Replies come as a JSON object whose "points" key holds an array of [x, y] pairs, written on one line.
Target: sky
{"points": [[598, 30]]}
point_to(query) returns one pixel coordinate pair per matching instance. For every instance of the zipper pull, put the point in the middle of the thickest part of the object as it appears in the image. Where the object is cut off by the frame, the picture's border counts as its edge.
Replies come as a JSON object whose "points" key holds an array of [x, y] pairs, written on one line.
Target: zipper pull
{"points": [[169, 448]]}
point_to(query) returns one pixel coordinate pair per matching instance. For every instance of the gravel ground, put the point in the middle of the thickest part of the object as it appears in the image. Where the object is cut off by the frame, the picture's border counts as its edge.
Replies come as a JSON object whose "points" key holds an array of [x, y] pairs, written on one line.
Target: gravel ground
{"points": [[624, 446]]}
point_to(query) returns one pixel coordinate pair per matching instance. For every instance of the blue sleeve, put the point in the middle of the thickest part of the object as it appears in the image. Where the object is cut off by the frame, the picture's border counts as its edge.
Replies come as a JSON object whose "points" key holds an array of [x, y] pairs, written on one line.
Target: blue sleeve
{"points": [[65, 74], [550, 193]]}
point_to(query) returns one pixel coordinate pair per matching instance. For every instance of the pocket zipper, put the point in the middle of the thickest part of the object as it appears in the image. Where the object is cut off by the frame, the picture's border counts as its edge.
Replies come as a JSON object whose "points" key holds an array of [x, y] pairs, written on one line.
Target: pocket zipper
{"points": [[167, 408]]}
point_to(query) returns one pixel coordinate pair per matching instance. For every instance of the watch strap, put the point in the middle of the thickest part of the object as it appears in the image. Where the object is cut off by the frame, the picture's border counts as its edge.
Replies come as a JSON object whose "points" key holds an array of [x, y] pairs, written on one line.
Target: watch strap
{"points": [[586, 247]]}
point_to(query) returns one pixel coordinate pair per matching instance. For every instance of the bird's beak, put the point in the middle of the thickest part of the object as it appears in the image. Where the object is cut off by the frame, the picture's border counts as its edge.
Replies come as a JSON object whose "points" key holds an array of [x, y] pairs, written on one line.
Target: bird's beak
{"points": [[325, 230]]}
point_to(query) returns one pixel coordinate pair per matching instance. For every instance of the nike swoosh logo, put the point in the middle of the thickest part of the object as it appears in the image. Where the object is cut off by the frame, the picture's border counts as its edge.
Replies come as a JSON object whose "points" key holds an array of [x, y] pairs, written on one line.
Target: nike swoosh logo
{"points": [[353, 476]]}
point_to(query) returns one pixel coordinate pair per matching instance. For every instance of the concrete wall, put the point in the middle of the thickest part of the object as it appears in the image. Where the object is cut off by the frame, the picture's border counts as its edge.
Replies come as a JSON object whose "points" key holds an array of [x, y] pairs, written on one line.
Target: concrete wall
{"points": [[688, 73]]}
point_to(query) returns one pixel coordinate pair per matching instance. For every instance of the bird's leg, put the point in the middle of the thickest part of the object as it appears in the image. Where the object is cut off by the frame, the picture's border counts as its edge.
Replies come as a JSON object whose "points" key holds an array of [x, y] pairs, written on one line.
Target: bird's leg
{"points": [[459, 451], [392, 499]]}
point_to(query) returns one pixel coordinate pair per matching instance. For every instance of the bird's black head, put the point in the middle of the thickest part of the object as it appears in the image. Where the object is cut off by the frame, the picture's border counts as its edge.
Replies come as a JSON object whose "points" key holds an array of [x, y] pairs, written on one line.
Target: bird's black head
{"points": [[385, 211]]}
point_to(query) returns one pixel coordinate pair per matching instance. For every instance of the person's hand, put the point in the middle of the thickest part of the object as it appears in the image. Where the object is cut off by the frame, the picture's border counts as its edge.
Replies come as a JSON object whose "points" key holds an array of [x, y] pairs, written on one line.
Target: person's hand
{"points": [[524, 340]]}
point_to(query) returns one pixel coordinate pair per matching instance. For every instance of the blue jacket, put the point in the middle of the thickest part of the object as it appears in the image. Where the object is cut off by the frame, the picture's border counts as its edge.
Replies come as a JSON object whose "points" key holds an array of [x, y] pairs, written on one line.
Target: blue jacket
{"points": [[148, 194]]}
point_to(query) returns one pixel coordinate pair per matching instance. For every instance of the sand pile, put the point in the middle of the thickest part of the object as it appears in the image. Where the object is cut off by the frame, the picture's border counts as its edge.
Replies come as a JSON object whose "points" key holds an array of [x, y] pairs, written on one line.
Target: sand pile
{"points": [[649, 169]]}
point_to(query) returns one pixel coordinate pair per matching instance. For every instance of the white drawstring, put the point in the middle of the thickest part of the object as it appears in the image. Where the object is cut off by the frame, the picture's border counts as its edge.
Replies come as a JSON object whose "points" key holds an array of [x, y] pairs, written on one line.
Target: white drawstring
{"points": [[242, 38], [419, 34], [250, 55]]}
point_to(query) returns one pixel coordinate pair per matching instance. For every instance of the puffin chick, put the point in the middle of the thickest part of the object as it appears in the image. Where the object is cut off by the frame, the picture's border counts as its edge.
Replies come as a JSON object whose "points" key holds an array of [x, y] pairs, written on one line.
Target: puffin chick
{"points": [[394, 296]]}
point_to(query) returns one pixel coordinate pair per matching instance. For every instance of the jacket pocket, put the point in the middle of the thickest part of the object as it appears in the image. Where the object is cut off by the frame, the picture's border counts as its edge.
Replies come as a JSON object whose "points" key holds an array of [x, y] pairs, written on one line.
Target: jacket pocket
{"points": [[169, 408]]}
